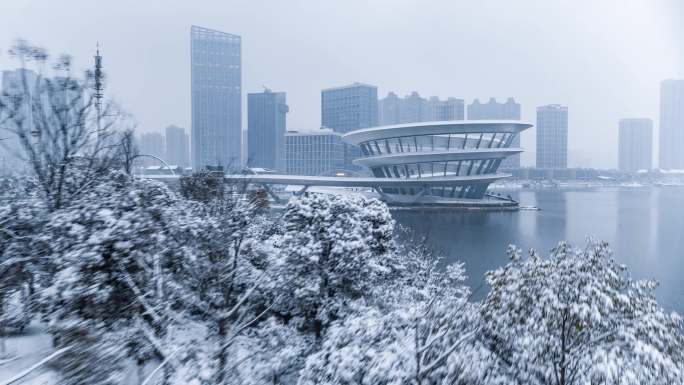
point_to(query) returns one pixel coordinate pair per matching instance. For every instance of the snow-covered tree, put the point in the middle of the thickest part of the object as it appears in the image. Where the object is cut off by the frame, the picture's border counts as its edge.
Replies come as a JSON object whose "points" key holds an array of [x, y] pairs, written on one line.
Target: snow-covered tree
{"points": [[113, 252], [61, 134], [578, 318], [218, 281], [332, 251], [271, 353], [21, 218], [420, 322], [94, 355]]}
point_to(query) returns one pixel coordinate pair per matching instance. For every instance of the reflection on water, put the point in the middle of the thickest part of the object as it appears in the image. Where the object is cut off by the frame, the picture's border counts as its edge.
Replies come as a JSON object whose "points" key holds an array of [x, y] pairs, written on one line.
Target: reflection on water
{"points": [[645, 227]]}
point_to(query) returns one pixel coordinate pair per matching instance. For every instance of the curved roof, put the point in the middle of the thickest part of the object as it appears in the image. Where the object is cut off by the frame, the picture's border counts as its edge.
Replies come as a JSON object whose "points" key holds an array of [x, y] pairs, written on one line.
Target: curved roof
{"points": [[367, 181], [434, 128], [436, 156]]}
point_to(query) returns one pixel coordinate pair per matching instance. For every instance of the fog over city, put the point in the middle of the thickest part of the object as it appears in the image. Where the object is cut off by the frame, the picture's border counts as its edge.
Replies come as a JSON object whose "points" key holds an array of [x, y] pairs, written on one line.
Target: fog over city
{"points": [[376, 192], [603, 59]]}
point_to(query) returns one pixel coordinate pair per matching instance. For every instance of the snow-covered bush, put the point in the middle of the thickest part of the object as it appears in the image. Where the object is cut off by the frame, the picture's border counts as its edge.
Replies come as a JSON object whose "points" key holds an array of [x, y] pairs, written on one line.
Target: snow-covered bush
{"points": [[578, 318]]}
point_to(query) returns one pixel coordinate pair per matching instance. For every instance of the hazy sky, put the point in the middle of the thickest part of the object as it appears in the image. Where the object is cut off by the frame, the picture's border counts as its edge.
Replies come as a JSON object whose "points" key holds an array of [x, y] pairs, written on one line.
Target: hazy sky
{"points": [[602, 58]]}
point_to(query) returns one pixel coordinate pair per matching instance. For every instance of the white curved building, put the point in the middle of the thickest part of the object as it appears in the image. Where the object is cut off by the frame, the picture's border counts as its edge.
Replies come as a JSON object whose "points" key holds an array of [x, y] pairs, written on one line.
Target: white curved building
{"points": [[436, 161]]}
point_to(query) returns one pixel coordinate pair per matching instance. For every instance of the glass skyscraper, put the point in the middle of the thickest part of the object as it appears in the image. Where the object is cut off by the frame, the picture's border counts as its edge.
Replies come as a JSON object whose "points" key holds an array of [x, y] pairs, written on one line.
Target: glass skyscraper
{"points": [[266, 126], [216, 83], [552, 136], [672, 125]]}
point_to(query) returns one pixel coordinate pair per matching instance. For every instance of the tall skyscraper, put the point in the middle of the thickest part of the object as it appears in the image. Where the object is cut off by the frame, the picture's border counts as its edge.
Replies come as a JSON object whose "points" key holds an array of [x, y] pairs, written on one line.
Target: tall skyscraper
{"points": [[672, 124], [152, 143], [177, 146], [635, 148], [349, 108], [266, 126], [216, 88], [317, 152], [492, 110], [552, 136]]}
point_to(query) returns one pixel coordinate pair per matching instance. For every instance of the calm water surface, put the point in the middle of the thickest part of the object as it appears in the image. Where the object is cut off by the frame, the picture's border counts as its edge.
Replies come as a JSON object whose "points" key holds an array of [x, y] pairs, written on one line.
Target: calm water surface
{"points": [[645, 227]]}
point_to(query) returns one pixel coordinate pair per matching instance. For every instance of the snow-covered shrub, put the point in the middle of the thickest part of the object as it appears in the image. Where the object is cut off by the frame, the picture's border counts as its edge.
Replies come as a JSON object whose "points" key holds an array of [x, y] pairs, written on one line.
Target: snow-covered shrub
{"points": [[578, 318]]}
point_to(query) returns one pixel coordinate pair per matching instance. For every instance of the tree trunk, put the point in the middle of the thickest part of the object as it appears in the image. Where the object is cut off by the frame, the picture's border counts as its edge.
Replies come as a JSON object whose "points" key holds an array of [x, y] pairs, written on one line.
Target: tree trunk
{"points": [[221, 353], [140, 371], [3, 342]]}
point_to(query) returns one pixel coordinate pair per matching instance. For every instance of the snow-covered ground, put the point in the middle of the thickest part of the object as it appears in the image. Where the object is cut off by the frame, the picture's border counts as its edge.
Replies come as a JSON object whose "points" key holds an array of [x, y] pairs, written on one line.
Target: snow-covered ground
{"points": [[26, 350]]}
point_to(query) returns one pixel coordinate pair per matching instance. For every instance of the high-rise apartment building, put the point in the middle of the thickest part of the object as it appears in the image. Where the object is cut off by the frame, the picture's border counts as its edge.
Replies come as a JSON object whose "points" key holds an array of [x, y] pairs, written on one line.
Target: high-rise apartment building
{"points": [[492, 110], [349, 108], [317, 153], [672, 125], [177, 146], [389, 110], [216, 89], [445, 110], [414, 108], [635, 149], [266, 127], [552, 136]]}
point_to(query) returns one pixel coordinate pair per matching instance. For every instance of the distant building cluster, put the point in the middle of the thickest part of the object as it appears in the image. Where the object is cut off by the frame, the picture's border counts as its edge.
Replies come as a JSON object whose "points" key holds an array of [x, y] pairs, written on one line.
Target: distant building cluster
{"points": [[173, 147], [413, 108], [217, 136], [216, 139]]}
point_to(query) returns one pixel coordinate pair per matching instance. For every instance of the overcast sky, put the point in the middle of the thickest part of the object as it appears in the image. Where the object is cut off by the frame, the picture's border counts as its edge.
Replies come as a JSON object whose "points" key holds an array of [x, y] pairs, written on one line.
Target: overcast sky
{"points": [[604, 59]]}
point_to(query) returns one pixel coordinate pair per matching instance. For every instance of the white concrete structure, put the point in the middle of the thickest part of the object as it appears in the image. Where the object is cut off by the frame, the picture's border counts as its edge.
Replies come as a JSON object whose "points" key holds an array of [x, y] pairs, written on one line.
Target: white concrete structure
{"points": [[447, 163], [442, 160]]}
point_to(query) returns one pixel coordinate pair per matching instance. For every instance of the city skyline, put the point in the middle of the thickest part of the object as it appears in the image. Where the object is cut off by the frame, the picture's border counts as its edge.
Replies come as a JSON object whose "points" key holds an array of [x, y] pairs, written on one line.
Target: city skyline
{"points": [[619, 74]]}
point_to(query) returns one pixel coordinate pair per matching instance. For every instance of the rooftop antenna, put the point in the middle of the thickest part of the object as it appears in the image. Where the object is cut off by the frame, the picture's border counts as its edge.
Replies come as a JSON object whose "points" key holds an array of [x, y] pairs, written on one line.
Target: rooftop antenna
{"points": [[266, 89], [99, 86]]}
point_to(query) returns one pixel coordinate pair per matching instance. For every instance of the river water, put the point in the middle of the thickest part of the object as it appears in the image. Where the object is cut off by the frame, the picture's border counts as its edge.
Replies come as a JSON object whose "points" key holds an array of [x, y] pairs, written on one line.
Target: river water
{"points": [[644, 225]]}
